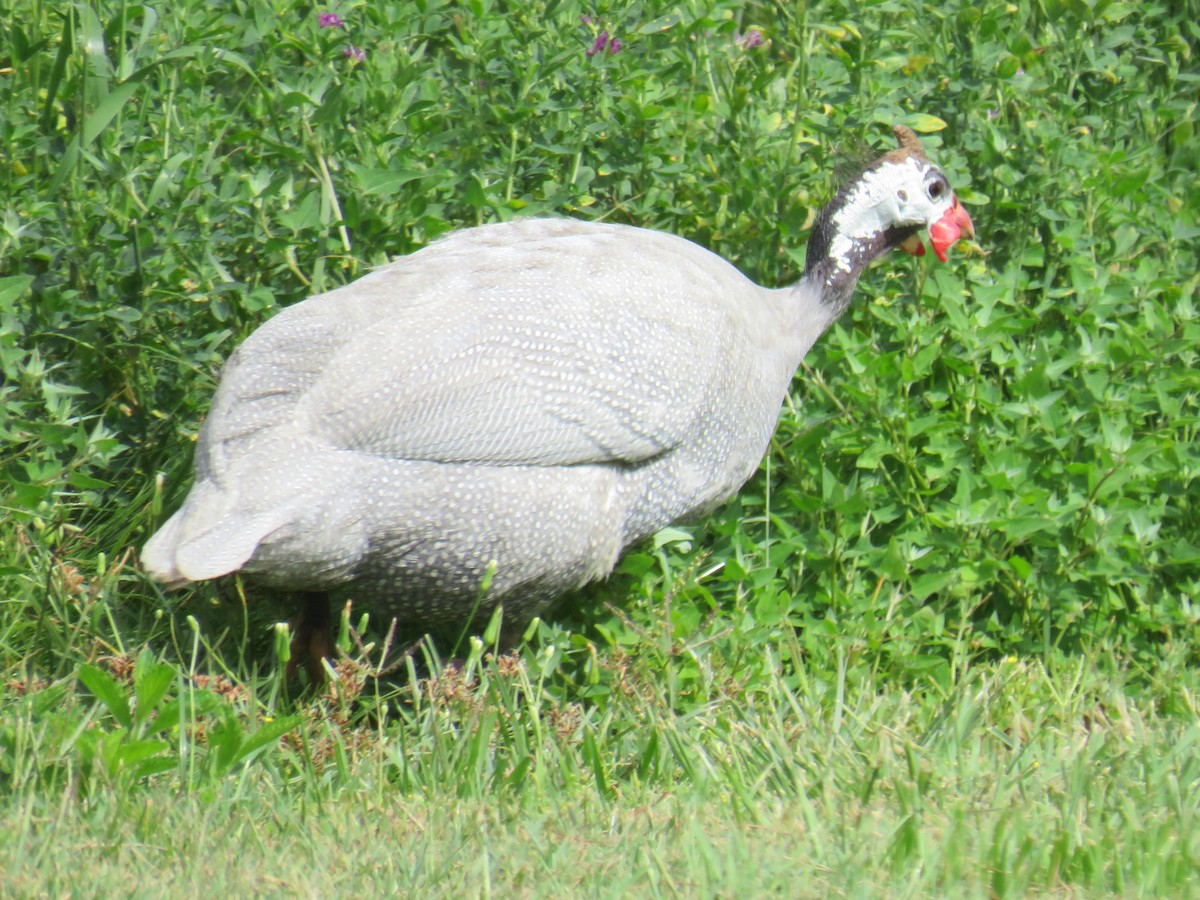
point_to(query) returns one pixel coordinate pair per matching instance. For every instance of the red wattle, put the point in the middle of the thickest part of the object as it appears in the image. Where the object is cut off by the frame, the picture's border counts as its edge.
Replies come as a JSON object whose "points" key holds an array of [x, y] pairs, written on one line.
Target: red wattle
{"points": [[946, 230]]}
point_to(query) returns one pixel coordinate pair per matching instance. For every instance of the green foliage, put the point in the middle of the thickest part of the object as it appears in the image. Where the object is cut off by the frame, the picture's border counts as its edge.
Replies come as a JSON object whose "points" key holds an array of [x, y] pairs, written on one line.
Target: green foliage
{"points": [[1003, 448], [1019, 779], [962, 584], [152, 722]]}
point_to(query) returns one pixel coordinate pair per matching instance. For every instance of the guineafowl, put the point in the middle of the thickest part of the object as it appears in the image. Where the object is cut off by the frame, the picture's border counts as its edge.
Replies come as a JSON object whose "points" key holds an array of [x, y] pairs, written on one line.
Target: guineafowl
{"points": [[533, 396]]}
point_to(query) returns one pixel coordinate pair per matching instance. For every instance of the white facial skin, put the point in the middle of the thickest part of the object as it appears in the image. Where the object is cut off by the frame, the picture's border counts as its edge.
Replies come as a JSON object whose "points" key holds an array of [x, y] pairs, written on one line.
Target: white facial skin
{"points": [[910, 192]]}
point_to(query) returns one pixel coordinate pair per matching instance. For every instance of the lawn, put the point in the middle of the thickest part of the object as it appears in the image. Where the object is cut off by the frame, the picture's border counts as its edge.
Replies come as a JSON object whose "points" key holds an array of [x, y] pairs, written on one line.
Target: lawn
{"points": [[944, 642]]}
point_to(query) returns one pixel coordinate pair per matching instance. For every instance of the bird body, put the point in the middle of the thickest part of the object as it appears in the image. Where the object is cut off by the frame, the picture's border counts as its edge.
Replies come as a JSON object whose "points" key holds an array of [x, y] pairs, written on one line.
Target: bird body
{"points": [[538, 394]]}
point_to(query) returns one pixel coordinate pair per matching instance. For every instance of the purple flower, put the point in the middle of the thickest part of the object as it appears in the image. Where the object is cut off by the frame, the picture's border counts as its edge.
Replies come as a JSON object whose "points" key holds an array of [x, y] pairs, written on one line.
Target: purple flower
{"points": [[585, 20], [598, 44], [355, 54], [615, 45], [751, 39], [331, 20]]}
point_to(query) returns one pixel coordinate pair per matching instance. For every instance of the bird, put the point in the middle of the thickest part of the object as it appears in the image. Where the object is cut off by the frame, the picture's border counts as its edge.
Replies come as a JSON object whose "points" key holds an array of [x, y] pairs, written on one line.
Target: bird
{"points": [[495, 418]]}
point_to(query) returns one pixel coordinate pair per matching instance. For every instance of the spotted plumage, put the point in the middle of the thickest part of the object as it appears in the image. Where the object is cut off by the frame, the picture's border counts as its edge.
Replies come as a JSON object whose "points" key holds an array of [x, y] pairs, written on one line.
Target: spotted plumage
{"points": [[540, 394]]}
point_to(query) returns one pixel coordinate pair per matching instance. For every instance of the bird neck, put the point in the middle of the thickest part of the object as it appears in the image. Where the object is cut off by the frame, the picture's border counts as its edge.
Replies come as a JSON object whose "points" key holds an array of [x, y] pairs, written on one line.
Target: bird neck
{"points": [[849, 234]]}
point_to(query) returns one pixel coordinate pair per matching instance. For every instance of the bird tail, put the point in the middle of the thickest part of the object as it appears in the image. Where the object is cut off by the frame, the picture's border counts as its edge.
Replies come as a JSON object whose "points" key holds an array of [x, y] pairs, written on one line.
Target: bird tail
{"points": [[208, 537]]}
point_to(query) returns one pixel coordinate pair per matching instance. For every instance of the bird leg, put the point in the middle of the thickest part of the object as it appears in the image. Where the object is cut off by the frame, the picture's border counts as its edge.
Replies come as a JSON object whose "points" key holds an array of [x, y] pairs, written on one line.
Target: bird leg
{"points": [[312, 640]]}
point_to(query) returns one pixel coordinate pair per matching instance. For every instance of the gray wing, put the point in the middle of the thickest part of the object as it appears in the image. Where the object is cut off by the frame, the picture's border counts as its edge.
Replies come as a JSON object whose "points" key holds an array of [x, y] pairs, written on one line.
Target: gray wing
{"points": [[543, 342]]}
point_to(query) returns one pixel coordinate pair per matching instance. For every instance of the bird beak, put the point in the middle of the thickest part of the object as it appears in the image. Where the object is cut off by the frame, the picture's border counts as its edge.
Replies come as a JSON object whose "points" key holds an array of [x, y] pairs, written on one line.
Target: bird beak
{"points": [[949, 228]]}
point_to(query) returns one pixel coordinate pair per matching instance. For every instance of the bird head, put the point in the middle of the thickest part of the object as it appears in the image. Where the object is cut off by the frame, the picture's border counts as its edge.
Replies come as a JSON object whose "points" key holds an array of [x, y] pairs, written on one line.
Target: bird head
{"points": [[886, 206], [916, 194]]}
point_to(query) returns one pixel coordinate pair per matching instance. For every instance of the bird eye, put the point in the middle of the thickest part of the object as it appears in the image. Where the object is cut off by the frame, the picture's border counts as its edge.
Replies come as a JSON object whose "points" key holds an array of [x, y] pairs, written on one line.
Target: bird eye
{"points": [[937, 189]]}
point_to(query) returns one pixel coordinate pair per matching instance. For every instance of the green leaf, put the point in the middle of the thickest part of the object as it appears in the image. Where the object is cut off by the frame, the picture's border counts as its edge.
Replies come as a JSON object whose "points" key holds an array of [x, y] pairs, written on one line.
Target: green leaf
{"points": [[1020, 566], [13, 288], [267, 735], [106, 110], [662, 23], [1127, 184], [672, 535], [130, 753], [151, 681], [924, 586], [106, 689], [66, 48], [385, 182], [224, 745], [591, 754], [1008, 67], [157, 765], [87, 483], [923, 123]]}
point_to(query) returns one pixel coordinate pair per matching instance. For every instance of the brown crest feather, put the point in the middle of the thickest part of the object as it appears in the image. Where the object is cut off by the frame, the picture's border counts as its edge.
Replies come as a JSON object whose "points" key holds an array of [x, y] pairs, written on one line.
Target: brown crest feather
{"points": [[910, 145]]}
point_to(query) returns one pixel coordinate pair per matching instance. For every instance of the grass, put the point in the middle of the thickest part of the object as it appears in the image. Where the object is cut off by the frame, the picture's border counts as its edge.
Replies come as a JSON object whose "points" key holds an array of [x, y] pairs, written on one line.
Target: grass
{"points": [[1019, 779], [943, 643]]}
